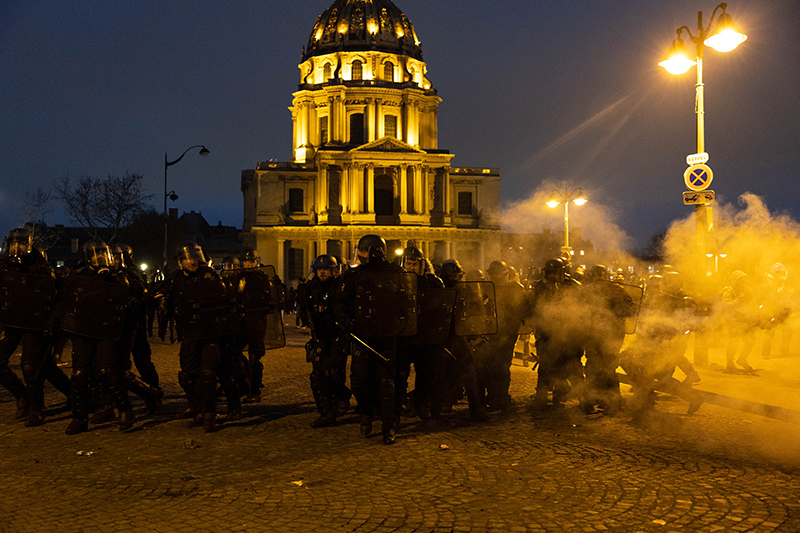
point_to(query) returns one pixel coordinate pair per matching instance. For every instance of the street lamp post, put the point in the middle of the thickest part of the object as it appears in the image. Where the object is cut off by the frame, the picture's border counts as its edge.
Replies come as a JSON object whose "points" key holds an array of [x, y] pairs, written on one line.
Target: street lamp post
{"points": [[724, 39], [167, 163], [556, 198]]}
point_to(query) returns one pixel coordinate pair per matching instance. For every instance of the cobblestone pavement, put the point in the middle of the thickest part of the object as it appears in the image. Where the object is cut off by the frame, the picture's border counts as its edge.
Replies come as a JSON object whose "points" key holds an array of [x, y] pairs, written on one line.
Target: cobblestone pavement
{"points": [[717, 470]]}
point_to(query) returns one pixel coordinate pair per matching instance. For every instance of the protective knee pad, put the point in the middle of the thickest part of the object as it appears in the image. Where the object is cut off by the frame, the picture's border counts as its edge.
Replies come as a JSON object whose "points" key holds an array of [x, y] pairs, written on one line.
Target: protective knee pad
{"points": [[31, 374]]}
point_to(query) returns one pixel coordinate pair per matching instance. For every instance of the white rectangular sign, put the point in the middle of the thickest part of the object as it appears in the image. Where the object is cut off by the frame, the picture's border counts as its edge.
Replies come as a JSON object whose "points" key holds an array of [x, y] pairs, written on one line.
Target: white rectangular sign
{"points": [[693, 159]]}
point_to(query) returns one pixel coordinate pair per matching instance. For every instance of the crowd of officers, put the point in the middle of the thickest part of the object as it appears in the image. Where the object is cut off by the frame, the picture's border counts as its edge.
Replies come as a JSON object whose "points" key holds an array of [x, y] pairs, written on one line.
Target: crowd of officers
{"points": [[459, 332]]}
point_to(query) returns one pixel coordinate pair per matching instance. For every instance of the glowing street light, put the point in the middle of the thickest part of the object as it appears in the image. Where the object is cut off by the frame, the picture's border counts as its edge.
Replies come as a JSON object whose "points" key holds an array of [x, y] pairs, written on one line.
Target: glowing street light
{"points": [[576, 196], [724, 39]]}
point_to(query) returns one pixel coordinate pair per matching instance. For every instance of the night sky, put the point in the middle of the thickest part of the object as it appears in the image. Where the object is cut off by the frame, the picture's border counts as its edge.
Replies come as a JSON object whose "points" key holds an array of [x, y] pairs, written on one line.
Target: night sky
{"points": [[563, 92]]}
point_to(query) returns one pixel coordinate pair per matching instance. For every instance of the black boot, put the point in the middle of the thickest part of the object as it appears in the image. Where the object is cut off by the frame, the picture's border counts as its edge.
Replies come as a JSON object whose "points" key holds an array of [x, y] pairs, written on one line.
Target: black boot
{"points": [[23, 407], [126, 420]]}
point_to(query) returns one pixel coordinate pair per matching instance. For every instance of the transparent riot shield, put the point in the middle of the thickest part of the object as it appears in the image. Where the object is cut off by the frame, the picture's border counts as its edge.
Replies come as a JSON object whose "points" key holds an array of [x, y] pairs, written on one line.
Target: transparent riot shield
{"points": [[274, 336], [475, 311], [636, 294], [204, 310], [434, 316], [386, 303], [26, 300], [510, 308], [94, 308]]}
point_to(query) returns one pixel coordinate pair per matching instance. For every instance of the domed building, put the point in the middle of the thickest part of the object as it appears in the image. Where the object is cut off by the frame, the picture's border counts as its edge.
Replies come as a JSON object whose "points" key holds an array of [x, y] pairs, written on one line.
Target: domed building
{"points": [[366, 156]]}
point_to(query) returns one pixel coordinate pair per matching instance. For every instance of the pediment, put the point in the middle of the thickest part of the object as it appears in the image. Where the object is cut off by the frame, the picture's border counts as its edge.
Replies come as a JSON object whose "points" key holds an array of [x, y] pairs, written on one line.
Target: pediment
{"points": [[387, 144]]}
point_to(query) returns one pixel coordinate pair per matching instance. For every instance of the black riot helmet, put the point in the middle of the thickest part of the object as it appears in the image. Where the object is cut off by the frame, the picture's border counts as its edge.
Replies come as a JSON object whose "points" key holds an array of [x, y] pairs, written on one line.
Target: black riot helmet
{"points": [[595, 273], [230, 264], [374, 246], [189, 250], [498, 272], [19, 243], [412, 257], [250, 255], [97, 254], [124, 254], [451, 272], [555, 270], [325, 261]]}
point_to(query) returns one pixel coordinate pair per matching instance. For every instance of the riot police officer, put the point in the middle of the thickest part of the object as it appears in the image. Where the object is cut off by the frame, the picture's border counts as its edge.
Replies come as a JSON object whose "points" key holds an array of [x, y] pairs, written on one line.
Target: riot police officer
{"points": [[607, 306], [326, 347], [95, 333], [255, 300], [556, 310], [204, 325], [31, 291], [373, 367], [494, 372], [413, 350], [134, 337], [455, 372]]}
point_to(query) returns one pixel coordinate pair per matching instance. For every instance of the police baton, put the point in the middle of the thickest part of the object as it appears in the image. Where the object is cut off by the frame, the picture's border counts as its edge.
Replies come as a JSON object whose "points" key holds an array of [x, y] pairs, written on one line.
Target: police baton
{"points": [[450, 353], [370, 348]]}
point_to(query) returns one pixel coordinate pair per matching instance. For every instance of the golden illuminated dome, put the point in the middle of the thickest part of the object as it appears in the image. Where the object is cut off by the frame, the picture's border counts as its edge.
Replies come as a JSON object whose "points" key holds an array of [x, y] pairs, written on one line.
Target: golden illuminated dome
{"points": [[361, 25]]}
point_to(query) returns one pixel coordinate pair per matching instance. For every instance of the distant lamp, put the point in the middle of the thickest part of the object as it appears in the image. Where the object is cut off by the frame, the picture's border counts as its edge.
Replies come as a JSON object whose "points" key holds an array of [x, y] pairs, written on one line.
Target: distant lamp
{"points": [[399, 251], [143, 267], [204, 151], [726, 37], [581, 199], [553, 203], [678, 60]]}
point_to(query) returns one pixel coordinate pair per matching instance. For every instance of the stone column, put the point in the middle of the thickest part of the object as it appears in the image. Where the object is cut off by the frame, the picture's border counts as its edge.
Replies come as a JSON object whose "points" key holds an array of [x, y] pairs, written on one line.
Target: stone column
{"points": [[482, 254], [403, 188], [371, 188], [333, 115], [279, 268], [378, 122], [446, 200], [356, 185], [322, 189], [418, 189], [344, 187], [369, 111]]}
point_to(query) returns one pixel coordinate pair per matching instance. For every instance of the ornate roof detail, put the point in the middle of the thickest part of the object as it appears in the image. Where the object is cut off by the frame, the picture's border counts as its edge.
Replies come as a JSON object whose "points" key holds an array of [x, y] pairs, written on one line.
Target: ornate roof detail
{"points": [[387, 144], [355, 25]]}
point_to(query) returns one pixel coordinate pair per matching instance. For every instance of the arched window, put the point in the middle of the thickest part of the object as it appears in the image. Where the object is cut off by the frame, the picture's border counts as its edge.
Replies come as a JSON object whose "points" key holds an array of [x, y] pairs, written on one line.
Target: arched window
{"points": [[388, 71], [358, 71], [326, 72]]}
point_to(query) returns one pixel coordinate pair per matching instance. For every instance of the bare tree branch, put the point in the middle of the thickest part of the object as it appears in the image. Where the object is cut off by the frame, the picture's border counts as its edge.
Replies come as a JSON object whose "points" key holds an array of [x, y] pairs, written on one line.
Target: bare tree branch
{"points": [[109, 203]]}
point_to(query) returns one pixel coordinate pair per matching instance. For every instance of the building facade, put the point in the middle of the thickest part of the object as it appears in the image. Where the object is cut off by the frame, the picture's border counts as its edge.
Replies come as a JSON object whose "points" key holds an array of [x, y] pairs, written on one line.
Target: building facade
{"points": [[365, 155]]}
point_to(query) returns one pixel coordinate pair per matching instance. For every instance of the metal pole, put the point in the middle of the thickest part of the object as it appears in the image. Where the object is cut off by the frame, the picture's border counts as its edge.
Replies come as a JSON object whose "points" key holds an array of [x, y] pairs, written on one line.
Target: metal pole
{"points": [[166, 219], [566, 221], [704, 215]]}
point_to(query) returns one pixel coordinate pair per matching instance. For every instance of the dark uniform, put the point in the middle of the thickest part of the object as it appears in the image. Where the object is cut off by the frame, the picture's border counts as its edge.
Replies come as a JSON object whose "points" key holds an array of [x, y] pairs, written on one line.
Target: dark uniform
{"points": [[94, 352], [37, 362], [494, 365], [372, 376], [455, 368], [558, 341], [326, 347], [608, 305], [203, 336], [661, 341]]}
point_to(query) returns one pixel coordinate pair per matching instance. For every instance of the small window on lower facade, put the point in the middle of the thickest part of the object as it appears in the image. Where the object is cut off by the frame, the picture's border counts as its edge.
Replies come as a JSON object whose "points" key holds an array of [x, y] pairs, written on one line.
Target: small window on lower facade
{"points": [[465, 203]]}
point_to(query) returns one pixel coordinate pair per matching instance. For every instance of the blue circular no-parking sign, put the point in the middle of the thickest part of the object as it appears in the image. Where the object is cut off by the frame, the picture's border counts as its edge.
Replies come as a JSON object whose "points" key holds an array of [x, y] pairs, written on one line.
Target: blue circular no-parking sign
{"points": [[698, 177]]}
